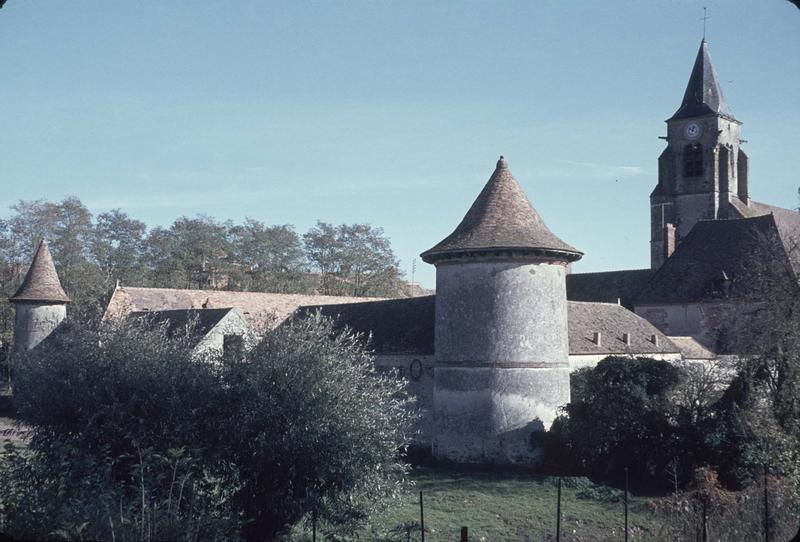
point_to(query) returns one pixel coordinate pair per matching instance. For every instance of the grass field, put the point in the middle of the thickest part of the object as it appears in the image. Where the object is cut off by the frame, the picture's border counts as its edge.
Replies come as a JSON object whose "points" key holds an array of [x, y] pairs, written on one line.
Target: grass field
{"points": [[498, 506]]}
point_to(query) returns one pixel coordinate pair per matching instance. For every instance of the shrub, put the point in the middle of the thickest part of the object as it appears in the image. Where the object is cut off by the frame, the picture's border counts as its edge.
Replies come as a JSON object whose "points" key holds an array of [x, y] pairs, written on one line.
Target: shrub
{"points": [[335, 428], [133, 437], [620, 416]]}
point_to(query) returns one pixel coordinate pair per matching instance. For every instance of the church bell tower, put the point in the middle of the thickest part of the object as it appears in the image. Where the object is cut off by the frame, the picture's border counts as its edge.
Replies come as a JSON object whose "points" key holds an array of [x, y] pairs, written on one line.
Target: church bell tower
{"points": [[702, 174]]}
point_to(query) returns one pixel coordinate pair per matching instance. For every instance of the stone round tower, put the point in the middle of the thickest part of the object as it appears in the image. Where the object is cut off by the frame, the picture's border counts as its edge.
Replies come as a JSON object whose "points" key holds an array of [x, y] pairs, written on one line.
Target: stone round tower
{"points": [[501, 338], [40, 303]]}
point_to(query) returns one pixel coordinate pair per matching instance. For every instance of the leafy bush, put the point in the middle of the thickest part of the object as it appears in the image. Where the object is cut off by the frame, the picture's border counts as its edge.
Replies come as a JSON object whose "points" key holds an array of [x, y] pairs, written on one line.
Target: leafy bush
{"points": [[620, 416], [133, 437], [65, 494], [335, 426]]}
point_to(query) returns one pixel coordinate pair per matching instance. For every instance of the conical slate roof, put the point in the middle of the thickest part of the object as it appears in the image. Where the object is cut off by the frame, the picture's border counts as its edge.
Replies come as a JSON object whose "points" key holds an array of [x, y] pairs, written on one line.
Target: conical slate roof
{"points": [[501, 218], [41, 284], [703, 94]]}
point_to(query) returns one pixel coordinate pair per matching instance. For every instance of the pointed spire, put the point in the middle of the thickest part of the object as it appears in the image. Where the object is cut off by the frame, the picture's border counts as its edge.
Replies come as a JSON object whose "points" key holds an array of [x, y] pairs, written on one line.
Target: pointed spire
{"points": [[502, 218], [703, 94], [41, 283]]}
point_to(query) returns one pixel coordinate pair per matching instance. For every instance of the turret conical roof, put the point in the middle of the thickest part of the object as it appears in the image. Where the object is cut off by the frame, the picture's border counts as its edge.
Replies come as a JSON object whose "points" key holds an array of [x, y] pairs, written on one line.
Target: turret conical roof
{"points": [[41, 283], [703, 94], [502, 218]]}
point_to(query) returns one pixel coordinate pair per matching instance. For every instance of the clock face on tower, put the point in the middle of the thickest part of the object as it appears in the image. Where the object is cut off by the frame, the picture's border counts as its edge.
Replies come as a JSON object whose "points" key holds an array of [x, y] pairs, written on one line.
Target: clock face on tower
{"points": [[692, 130]]}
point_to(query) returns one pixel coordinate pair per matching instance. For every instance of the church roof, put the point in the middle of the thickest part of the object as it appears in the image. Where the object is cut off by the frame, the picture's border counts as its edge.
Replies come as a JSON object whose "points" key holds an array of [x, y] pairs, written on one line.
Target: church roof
{"points": [[737, 258], [703, 94], [406, 326], [608, 286], [501, 218], [41, 283]]}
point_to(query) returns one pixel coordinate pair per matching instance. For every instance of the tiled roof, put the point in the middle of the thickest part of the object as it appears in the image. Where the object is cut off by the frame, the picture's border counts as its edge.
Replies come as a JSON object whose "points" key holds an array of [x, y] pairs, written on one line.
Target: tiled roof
{"points": [[180, 320], [737, 258], [613, 321], [691, 349], [41, 283], [703, 94], [607, 286], [406, 326], [398, 326], [501, 218], [263, 311]]}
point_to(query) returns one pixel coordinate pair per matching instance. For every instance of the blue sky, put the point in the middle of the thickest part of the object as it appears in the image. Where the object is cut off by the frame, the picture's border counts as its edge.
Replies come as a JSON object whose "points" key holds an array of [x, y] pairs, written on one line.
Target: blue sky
{"points": [[391, 113]]}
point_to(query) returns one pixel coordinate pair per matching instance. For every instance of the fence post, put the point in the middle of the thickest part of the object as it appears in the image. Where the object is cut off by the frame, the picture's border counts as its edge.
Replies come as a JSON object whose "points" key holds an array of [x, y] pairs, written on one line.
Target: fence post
{"points": [[558, 512], [314, 526], [464, 534], [421, 517], [766, 504], [705, 518], [626, 504]]}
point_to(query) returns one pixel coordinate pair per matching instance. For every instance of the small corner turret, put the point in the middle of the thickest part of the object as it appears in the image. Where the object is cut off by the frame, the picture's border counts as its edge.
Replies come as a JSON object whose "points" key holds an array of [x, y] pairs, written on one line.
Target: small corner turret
{"points": [[40, 302]]}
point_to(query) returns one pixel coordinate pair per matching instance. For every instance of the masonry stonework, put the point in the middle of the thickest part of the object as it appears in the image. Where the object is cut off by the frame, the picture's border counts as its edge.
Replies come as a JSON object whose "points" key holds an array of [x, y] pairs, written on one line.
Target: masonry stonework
{"points": [[34, 323], [502, 340], [502, 358], [40, 302]]}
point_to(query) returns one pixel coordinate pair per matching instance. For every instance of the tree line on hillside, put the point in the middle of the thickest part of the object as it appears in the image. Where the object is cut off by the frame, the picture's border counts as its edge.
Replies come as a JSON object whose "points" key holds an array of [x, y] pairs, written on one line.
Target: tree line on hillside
{"points": [[92, 253]]}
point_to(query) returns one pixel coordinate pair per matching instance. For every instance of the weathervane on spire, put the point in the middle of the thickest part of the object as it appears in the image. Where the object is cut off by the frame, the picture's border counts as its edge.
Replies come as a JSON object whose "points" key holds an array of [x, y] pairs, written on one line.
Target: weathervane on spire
{"points": [[705, 18]]}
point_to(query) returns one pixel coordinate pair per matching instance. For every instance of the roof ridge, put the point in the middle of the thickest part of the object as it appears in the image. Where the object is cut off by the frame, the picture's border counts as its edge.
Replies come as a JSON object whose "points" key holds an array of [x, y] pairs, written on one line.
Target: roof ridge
{"points": [[597, 303], [246, 292], [613, 271]]}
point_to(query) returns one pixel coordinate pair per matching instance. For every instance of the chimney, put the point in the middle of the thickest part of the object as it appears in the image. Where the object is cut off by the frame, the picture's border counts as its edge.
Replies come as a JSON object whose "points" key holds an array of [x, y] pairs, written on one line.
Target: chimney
{"points": [[654, 339], [596, 338], [669, 240], [626, 338]]}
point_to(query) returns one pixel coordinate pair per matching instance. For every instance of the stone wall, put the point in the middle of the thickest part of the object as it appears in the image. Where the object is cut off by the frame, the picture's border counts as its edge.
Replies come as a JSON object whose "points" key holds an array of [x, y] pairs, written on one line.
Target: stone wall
{"points": [[33, 323], [418, 371], [502, 367], [232, 324], [703, 321]]}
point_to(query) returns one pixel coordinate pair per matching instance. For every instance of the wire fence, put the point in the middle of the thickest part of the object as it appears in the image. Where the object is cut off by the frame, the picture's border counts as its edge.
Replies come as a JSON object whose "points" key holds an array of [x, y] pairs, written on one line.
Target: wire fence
{"points": [[764, 512], [699, 515]]}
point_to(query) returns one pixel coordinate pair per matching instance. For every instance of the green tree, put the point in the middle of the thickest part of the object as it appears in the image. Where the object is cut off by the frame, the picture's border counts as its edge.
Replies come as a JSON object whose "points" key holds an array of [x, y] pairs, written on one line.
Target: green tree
{"points": [[267, 258], [354, 259], [192, 253], [116, 414], [123, 418], [118, 248], [621, 415], [757, 421], [317, 429], [9, 280]]}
